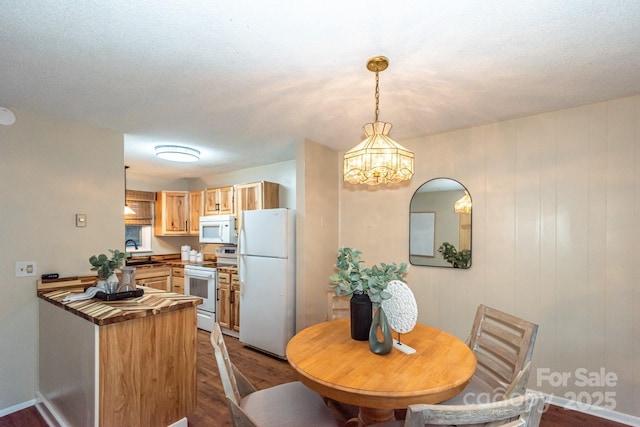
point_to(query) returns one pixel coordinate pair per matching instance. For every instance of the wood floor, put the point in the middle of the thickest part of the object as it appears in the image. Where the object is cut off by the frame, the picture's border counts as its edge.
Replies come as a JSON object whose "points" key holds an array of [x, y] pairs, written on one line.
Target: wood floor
{"points": [[265, 371]]}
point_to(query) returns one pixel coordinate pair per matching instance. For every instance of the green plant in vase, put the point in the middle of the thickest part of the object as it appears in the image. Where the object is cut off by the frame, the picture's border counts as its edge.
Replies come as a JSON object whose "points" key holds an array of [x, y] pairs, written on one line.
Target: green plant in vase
{"points": [[352, 279], [457, 259], [366, 286], [105, 267]]}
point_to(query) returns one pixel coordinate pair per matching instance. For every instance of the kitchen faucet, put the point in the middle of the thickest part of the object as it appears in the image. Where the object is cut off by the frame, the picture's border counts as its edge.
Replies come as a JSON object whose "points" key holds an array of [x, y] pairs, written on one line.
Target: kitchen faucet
{"points": [[132, 241]]}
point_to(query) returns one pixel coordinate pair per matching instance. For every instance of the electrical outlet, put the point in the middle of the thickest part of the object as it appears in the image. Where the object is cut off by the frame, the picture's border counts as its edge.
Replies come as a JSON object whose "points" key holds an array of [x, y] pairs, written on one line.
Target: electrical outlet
{"points": [[25, 268]]}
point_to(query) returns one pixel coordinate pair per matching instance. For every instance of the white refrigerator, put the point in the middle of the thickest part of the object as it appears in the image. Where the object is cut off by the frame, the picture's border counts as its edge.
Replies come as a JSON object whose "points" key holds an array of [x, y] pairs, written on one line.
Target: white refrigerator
{"points": [[266, 266]]}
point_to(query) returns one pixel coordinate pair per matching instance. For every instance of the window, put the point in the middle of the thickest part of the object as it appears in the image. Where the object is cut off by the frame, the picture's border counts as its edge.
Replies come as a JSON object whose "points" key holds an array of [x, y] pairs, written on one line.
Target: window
{"points": [[138, 225], [141, 235]]}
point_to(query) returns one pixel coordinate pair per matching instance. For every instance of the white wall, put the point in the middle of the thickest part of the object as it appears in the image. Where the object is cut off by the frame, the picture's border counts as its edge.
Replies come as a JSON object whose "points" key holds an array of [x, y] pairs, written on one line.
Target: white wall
{"points": [[556, 237], [317, 229], [51, 170]]}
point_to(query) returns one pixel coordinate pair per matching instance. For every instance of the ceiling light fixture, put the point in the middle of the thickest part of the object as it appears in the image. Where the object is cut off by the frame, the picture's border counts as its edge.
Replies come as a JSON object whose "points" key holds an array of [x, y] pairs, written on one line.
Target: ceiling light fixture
{"points": [[377, 159], [127, 209], [7, 117], [177, 153]]}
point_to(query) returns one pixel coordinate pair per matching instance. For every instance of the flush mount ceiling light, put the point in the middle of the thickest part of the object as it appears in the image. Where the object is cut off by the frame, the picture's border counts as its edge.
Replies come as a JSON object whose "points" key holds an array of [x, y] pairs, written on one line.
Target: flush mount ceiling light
{"points": [[7, 117], [177, 153], [377, 159]]}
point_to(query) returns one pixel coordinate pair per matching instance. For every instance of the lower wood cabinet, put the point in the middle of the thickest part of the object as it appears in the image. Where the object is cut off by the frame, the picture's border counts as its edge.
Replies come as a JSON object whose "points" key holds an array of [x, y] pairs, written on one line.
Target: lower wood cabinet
{"points": [[134, 373], [158, 277], [229, 299], [177, 280]]}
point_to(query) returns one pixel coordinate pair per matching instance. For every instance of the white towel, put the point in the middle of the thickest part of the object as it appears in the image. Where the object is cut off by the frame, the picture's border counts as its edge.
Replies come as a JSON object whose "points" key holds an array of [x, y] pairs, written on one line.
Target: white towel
{"points": [[88, 294]]}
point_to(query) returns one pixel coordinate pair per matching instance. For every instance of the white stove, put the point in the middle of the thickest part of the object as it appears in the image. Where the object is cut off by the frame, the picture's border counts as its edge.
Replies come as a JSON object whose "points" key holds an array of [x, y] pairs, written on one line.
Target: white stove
{"points": [[201, 280]]}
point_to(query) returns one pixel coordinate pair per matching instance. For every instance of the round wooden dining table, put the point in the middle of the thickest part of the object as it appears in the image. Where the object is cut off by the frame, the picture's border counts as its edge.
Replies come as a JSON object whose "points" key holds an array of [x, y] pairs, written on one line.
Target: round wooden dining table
{"points": [[329, 362]]}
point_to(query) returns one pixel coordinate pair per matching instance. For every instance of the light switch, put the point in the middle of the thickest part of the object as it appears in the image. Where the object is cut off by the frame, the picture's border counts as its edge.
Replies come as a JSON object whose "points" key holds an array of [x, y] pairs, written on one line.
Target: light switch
{"points": [[81, 220]]}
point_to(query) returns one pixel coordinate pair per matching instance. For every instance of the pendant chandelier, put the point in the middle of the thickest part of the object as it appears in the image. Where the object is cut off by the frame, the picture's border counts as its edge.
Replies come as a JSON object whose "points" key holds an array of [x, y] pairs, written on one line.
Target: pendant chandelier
{"points": [[377, 159], [463, 204]]}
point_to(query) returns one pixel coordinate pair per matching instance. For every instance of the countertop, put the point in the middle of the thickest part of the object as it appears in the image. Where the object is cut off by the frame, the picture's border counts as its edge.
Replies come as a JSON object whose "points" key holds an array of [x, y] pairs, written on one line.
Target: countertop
{"points": [[153, 302]]}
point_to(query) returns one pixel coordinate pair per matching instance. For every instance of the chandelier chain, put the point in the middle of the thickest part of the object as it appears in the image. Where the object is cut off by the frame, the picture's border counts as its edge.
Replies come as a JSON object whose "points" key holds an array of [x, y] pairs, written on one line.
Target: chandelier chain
{"points": [[377, 96]]}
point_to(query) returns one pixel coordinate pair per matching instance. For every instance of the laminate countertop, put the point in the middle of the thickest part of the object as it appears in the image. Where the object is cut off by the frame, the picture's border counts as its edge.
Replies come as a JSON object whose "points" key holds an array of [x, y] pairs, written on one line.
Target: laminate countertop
{"points": [[151, 303]]}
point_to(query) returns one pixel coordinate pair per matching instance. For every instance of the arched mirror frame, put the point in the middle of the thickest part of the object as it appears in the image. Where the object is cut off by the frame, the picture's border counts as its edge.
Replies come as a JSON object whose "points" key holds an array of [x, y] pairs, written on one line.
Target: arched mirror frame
{"points": [[434, 221]]}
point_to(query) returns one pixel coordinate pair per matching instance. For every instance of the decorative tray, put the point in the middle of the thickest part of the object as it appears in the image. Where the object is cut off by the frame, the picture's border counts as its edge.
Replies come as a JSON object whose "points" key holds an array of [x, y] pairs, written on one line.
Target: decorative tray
{"points": [[119, 295]]}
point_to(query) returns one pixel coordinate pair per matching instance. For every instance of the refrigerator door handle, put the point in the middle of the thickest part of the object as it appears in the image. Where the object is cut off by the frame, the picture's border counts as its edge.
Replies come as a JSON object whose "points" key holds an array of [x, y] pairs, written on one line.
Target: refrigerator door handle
{"points": [[240, 274]]}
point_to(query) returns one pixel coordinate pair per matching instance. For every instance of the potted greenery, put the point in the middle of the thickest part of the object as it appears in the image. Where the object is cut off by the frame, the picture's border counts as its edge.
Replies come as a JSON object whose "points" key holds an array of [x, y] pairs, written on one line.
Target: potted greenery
{"points": [[106, 268], [458, 259], [366, 286]]}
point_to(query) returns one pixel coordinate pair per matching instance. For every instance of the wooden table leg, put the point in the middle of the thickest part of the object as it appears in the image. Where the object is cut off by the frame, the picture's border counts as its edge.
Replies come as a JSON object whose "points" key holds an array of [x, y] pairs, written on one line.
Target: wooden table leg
{"points": [[368, 416]]}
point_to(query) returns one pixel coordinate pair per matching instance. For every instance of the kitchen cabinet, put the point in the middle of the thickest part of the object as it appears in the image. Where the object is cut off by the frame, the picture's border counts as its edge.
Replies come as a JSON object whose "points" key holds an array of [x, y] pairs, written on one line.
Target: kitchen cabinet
{"points": [[235, 302], [154, 276], [177, 280], [177, 213], [196, 210], [115, 363], [172, 213], [219, 201], [229, 299], [254, 196]]}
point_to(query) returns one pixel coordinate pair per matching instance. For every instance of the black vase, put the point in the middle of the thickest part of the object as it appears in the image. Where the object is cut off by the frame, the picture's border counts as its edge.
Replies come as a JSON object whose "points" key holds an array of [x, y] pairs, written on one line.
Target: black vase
{"points": [[361, 313]]}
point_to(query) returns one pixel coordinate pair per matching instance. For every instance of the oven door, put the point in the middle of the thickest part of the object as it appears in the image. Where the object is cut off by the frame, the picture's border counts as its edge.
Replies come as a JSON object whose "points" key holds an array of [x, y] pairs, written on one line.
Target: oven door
{"points": [[202, 284]]}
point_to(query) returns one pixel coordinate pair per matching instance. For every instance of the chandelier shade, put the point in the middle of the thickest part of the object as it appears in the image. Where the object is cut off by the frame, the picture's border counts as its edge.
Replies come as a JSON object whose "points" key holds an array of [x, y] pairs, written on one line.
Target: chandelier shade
{"points": [[463, 204], [377, 159]]}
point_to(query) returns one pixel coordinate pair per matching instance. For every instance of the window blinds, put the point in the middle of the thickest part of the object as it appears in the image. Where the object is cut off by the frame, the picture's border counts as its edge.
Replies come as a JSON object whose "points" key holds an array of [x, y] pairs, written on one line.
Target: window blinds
{"points": [[142, 203]]}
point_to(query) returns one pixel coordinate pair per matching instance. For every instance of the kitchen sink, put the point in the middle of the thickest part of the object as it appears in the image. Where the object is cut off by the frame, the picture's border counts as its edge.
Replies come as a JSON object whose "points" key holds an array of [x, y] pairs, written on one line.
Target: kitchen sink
{"points": [[135, 262]]}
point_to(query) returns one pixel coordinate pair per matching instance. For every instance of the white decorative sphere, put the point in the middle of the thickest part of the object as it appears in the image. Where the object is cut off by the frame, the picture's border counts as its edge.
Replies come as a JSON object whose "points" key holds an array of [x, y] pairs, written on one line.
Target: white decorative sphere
{"points": [[401, 309]]}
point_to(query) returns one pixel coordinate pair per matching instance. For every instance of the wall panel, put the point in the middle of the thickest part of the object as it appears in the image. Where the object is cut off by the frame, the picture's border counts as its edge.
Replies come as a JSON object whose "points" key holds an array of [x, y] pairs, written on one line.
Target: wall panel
{"points": [[555, 237]]}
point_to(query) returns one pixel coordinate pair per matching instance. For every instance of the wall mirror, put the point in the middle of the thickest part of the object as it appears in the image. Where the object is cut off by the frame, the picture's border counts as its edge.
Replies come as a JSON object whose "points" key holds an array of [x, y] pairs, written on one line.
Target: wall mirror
{"points": [[440, 225]]}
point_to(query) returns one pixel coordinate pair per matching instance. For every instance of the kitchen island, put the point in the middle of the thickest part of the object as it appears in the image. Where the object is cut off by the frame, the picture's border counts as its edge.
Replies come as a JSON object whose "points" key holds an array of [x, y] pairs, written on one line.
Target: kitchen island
{"points": [[130, 362]]}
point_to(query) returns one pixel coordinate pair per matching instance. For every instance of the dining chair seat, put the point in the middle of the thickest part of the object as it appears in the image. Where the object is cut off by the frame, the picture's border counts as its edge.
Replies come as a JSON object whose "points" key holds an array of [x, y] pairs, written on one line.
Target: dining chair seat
{"points": [[476, 390], [286, 405]]}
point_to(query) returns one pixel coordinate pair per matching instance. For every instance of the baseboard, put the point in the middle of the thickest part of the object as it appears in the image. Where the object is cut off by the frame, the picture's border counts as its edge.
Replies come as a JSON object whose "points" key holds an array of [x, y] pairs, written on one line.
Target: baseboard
{"points": [[595, 411], [54, 419], [16, 408], [48, 412]]}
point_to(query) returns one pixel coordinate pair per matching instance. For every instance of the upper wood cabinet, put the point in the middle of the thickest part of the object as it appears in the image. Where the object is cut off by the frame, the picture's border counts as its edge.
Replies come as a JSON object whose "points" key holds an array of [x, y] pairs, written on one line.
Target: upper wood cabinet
{"points": [[219, 201], [196, 210], [172, 213], [177, 213], [254, 196]]}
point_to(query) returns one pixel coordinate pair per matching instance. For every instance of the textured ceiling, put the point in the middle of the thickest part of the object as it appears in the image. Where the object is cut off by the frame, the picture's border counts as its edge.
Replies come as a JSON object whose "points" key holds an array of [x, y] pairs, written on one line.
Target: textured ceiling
{"points": [[244, 81]]}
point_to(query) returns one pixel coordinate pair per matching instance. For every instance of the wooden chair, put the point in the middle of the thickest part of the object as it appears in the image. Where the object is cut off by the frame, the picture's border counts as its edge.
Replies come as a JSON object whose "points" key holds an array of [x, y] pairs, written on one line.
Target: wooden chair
{"points": [[520, 411], [503, 345], [290, 404], [338, 306]]}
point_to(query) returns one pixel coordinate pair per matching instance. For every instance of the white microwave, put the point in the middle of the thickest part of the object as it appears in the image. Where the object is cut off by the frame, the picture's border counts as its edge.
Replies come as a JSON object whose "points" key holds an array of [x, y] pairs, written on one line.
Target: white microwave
{"points": [[218, 229]]}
